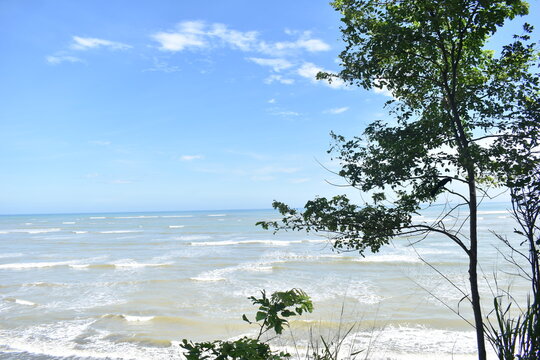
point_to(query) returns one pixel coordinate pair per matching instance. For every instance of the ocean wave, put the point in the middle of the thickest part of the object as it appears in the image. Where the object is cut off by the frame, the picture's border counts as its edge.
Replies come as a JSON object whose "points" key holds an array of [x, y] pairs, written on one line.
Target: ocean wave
{"points": [[251, 242], [21, 301], [214, 215], [22, 266], [80, 232], [119, 265], [492, 212], [136, 217], [30, 231], [130, 318], [398, 258], [68, 222], [219, 274], [177, 216], [193, 237], [119, 231], [10, 255], [97, 217], [176, 226]]}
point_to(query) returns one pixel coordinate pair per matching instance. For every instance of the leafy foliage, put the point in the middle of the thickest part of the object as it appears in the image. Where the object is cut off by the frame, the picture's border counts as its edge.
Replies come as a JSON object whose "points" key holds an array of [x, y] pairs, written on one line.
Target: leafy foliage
{"points": [[241, 349], [461, 114], [271, 315], [274, 310]]}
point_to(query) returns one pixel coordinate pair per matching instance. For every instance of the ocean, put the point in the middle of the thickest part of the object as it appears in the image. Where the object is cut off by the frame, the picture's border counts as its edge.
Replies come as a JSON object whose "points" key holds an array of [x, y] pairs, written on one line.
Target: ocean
{"points": [[133, 285]]}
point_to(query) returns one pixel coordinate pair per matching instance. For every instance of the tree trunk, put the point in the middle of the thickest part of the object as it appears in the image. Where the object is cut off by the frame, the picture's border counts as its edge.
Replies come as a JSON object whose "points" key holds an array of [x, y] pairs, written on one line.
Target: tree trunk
{"points": [[473, 277]]}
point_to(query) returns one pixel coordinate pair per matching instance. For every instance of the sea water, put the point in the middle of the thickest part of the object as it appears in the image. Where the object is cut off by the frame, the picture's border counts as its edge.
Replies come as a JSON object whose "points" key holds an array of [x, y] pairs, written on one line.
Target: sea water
{"points": [[132, 285]]}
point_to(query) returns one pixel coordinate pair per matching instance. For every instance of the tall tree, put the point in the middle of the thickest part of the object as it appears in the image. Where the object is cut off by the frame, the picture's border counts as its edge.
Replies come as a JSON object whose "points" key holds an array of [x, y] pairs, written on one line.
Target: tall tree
{"points": [[457, 110]]}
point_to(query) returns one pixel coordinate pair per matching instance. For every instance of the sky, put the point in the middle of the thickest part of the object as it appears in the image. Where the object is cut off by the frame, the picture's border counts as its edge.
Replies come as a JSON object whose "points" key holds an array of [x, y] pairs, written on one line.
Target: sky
{"points": [[168, 105]]}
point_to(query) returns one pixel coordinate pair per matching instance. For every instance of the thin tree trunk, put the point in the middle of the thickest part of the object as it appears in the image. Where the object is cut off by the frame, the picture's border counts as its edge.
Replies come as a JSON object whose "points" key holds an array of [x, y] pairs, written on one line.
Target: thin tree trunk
{"points": [[473, 276]]}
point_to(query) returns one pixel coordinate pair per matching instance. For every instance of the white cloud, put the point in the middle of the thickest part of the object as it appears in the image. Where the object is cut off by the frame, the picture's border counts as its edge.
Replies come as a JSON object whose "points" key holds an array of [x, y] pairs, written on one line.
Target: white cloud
{"points": [[278, 78], [300, 180], [272, 101], [309, 71], [379, 88], [189, 34], [276, 64], [304, 42], [191, 157], [286, 113], [336, 111], [241, 40], [82, 43], [198, 34], [55, 60]]}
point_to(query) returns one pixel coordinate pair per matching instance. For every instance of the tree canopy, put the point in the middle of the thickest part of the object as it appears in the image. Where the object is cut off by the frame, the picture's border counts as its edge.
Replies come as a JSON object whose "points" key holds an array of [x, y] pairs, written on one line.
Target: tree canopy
{"points": [[462, 114]]}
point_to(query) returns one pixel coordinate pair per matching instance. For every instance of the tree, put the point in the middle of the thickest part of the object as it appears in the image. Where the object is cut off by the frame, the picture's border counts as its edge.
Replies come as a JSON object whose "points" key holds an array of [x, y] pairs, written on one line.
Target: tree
{"points": [[461, 115]]}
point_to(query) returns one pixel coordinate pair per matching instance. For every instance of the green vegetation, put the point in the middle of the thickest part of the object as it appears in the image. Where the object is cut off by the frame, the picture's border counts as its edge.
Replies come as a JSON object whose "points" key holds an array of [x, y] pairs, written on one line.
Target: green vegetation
{"points": [[465, 122], [271, 316], [518, 336]]}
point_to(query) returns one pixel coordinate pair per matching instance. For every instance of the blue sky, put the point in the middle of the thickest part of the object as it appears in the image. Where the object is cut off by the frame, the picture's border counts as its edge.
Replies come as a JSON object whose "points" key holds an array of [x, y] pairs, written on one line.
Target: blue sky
{"points": [[170, 105]]}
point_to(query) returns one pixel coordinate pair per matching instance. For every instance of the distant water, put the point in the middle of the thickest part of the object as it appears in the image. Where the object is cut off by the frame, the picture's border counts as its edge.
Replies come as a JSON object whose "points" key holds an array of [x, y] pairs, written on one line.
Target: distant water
{"points": [[132, 285]]}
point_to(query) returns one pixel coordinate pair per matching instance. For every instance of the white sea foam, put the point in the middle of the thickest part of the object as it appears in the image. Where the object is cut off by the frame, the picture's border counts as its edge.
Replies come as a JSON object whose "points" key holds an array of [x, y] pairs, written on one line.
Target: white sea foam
{"points": [[63, 340], [176, 226], [25, 302], [219, 274], [193, 237], [177, 216], [405, 343], [31, 231], [250, 242], [97, 217], [69, 222], [10, 255], [492, 212], [120, 231], [397, 258], [138, 318], [22, 266], [217, 215], [80, 232], [137, 217]]}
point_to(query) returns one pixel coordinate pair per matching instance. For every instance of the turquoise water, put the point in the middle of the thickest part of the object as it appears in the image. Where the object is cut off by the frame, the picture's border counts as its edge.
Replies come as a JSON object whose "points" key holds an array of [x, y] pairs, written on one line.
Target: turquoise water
{"points": [[132, 285]]}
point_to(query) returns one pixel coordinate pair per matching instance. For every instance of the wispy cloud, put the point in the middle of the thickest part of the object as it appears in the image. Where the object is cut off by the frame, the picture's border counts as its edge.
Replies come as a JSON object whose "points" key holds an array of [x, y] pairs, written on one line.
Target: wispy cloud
{"points": [[198, 34], [191, 157], [278, 78], [309, 71], [85, 43], [58, 59], [285, 113], [338, 110], [275, 64], [304, 42], [162, 66], [272, 101]]}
